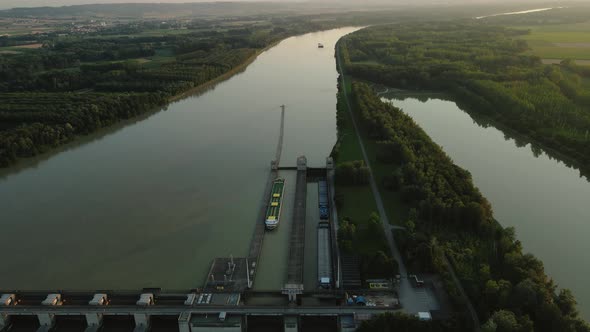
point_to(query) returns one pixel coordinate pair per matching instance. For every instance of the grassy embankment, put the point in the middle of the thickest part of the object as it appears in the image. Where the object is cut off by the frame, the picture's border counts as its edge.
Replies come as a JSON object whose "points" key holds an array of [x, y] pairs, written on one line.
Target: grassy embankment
{"points": [[350, 150], [357, 202]]}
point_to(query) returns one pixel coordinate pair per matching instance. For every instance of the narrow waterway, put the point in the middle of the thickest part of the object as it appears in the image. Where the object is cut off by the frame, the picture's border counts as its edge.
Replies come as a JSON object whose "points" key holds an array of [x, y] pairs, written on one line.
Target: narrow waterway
{"points": [[545, 200], [152, 203], [520, 12]]}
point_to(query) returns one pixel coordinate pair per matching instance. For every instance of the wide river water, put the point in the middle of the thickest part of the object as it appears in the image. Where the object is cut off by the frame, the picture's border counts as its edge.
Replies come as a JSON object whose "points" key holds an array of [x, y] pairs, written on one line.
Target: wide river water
{"points": [[545, 200], [151, 203]]}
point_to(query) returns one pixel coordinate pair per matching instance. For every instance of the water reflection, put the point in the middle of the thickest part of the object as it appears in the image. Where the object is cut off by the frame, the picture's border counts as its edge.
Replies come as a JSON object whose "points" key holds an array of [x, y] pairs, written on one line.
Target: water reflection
{"points": [[543, 197], [483, 121]]}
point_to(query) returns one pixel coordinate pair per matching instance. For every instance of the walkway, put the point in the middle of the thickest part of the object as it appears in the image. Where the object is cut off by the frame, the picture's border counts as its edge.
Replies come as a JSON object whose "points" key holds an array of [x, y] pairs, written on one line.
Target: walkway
{"points": [[259, 227], [297, 241]]}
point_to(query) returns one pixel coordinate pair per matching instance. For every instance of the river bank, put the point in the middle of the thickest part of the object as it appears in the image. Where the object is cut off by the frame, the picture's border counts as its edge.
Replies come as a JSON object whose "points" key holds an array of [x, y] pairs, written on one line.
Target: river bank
{"points": [[485, 121], [451, 234], [151, 204], [529, 189], [141, 86]]}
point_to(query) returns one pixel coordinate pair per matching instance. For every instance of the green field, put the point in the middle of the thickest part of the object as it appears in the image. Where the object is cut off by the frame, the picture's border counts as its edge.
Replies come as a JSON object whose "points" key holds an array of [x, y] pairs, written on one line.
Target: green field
{"points": [[560, 41], [396, 211], [357, 201]]}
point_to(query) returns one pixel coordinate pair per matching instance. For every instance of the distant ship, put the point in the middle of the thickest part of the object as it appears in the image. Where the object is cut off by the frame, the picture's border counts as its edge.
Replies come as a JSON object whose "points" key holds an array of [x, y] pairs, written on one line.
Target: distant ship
{"points": [[320, 45], [273, 212]]}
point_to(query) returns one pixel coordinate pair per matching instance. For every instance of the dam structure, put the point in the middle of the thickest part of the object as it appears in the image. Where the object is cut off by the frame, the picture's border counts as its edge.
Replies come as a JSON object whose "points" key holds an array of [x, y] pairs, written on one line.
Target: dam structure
{"points": [[226, 299], [224, 293]]}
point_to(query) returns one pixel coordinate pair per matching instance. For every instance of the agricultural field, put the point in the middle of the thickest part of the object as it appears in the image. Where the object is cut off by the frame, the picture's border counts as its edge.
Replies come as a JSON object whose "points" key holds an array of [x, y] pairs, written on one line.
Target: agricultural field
{"points": [[561, 41]]}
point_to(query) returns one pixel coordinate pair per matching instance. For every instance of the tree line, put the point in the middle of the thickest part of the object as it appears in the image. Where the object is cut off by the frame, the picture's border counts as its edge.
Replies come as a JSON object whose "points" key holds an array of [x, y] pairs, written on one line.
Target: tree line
{"points": [[449, 217], [484, 68], [76, 84]]}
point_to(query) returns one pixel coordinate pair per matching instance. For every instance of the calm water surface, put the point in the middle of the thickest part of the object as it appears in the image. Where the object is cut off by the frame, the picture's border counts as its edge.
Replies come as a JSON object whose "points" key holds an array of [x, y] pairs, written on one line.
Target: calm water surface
{"points": [[151, 204], [546, 201]]}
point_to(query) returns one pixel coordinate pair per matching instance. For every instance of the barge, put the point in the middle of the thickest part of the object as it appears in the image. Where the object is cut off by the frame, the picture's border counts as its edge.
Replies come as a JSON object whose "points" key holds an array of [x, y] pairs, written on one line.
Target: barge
{"points": [[273, 211], [323, 200]]}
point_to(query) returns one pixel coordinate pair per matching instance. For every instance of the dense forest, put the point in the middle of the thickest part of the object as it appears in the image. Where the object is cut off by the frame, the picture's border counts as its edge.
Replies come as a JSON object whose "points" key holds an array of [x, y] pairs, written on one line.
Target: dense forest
{"points": [[73, 84], [484, 68], [450, 220]]}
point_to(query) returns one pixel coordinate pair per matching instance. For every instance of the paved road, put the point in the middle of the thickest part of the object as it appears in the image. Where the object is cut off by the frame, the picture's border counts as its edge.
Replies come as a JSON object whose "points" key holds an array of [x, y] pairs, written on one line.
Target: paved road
{"points": [[409, 297]]}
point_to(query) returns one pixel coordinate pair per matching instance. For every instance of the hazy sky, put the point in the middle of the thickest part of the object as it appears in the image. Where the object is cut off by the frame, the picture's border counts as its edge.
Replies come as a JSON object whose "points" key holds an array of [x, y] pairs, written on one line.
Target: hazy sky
{"points": [[5, 4]]}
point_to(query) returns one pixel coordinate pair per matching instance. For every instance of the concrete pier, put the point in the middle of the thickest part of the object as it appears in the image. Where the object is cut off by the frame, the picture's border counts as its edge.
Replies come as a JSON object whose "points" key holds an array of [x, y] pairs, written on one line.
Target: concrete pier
{"points": [[228, 275], [142, 322], [94, 320], [4, 321], [46, 321], [294, 285], [291, 324], [184, 322], [259, 228]]}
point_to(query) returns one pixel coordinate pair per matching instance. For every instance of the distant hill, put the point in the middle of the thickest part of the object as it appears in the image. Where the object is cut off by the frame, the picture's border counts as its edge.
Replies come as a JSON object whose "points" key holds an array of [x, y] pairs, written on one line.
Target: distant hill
{"points": [[8, 4], [140, 10], [168, 8]]}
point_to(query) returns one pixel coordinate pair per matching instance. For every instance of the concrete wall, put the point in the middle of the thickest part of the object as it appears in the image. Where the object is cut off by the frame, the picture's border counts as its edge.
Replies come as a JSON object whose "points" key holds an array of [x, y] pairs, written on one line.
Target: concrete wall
{"points": [[216, 328], [4, 321]]}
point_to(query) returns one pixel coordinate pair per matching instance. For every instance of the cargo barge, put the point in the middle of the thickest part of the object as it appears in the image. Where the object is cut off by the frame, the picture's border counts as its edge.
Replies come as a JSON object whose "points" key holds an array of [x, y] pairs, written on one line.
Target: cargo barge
{"points": [[273, 211], [323, 200]]}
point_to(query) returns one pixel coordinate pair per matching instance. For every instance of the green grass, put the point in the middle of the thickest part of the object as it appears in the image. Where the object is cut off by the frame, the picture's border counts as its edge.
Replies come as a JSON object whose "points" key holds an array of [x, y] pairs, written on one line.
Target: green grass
{"points": [[165, 32], [395, 209], [367, 62], [152, 33], [357, 201], [350, 148], [549, 51], [18, 49], [543, 40]]}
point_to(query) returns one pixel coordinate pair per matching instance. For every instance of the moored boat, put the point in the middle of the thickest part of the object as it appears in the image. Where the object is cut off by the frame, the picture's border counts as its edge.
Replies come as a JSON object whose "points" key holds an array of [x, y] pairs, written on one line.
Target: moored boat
{"points": [[273, 211]]}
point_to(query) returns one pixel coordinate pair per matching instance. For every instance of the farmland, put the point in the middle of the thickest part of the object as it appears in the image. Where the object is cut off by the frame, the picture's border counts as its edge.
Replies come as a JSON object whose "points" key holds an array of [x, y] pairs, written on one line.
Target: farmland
{"points": [[561, 41]]}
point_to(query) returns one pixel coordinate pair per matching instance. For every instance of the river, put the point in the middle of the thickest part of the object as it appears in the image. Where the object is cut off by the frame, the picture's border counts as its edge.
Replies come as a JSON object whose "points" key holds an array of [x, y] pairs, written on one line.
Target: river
{"points": [[520, 12], [545, 200], [151, 203]]}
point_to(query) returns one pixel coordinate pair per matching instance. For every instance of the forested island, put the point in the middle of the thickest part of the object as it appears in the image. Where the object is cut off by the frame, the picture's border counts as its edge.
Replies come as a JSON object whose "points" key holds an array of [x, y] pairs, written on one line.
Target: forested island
{"points": [[485, 68], [443, 215]]}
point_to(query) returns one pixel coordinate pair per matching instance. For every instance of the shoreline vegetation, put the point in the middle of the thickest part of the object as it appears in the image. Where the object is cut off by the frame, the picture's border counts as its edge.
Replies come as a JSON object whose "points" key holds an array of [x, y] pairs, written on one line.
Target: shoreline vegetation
{"points": [[484, 69], [78, 98], [34, 160], [75, 85], [484, 121], [446, 213], [225, 76]]}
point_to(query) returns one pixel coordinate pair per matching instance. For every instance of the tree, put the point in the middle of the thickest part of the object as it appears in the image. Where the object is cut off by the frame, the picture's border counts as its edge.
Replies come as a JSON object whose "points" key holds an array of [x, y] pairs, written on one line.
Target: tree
{"points": [[503, 320], [566, 303]]}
